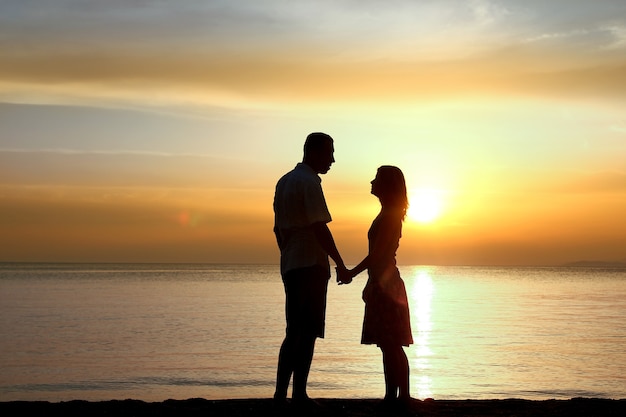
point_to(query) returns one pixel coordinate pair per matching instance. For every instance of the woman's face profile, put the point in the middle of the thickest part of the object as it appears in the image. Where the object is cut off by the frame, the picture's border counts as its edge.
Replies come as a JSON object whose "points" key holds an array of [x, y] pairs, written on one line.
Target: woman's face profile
{"points": [[377, 185]]}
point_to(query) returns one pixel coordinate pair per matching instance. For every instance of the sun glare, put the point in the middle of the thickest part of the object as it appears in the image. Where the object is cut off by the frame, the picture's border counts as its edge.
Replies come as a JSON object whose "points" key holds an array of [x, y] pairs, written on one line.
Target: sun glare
{"points": [[424, 206]]}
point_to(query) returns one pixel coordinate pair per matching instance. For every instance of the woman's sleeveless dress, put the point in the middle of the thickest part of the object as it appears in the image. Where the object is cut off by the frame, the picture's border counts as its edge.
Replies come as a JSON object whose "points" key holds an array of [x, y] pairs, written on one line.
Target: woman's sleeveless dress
{"points": [[387, 319]]}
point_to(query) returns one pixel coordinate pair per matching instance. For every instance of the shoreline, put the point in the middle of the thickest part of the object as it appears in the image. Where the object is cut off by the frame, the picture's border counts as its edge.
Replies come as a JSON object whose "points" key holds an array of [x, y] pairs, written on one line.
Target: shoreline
{"points": [[575, 407]]}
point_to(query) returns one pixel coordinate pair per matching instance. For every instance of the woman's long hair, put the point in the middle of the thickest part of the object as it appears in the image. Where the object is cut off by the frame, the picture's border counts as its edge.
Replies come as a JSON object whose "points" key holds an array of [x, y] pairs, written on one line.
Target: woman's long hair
{"points": [[394, 189]]}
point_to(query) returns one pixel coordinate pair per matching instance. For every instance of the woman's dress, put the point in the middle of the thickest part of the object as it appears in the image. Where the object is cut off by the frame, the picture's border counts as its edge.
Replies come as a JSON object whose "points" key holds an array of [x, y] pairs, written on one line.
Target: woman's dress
{"points": [[387, 319]]}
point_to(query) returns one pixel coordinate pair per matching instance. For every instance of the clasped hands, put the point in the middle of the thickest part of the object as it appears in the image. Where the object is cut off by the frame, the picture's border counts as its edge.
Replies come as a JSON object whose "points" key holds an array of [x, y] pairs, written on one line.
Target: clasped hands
{"points": [[344, 275]]}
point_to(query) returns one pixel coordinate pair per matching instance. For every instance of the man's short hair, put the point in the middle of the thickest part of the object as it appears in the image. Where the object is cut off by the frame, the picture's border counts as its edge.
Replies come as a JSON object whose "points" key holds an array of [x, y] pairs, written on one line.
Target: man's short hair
{"points": [[316, 141]]}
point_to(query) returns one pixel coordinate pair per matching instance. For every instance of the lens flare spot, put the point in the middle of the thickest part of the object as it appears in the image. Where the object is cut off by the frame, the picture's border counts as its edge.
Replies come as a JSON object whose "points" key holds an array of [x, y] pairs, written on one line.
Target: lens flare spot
{"points": [[187, 219]]}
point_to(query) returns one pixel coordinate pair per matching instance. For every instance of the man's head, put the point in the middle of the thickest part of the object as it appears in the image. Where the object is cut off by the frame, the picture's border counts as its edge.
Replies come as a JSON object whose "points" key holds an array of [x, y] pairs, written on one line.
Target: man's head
{"points": [[318, 152]]}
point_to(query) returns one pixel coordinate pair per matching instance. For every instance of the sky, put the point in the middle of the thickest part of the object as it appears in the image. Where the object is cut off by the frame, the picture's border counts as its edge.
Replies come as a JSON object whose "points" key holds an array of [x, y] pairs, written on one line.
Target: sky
{"points": [[155, 131]]}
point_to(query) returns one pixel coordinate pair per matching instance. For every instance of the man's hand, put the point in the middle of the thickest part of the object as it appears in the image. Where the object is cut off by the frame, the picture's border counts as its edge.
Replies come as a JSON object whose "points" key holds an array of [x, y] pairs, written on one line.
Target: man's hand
{"points": [[344, 276]]}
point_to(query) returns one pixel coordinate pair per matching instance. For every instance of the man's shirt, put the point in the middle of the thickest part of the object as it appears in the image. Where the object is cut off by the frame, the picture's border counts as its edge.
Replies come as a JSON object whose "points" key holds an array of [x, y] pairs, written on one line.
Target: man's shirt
{"points": [[299, 203]]}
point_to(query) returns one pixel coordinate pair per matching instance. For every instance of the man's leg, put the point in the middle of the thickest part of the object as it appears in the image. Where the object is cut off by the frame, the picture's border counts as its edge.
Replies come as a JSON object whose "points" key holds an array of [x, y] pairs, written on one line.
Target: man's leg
{"points": [[303, 358], [305, 291], [286, 355], [285, 368]]}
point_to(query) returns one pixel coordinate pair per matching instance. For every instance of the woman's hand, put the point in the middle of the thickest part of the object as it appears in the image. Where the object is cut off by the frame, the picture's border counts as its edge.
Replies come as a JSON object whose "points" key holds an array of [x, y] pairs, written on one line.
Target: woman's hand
{"points": [[344, 276]]}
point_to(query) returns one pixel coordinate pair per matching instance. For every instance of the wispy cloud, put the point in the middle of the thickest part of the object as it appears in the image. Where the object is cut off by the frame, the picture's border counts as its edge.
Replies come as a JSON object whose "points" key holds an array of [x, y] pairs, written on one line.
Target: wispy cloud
{"points": [[111, 152], [488, 11], [559, 35], [619, 36], [237, 54], [122, 168], [280, 78], [619, 128], [603, 38]]}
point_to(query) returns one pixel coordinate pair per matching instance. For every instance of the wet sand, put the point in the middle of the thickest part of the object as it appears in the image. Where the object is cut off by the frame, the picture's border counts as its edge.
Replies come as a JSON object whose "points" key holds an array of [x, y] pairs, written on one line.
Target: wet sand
{"points": [[577, 407]]}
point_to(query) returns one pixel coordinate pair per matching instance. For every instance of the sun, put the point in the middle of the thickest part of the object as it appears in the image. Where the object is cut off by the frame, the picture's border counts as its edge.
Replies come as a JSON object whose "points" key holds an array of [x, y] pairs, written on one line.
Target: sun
{"points": [[425, 206]]}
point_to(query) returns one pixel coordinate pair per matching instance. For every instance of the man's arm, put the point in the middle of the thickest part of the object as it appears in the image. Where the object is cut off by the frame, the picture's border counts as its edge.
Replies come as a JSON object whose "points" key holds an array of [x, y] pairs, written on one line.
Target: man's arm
{"points": [[326, 241], [279, 239]]}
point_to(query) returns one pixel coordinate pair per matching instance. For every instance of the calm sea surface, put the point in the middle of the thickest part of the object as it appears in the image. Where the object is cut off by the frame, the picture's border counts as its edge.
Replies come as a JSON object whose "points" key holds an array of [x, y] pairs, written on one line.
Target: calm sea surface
{"points": [[153, 332]]}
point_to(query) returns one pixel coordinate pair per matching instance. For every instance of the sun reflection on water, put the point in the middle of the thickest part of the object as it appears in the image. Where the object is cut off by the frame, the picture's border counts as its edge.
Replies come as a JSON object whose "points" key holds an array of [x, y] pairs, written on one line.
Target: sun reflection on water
{"points": [[421, 294]]}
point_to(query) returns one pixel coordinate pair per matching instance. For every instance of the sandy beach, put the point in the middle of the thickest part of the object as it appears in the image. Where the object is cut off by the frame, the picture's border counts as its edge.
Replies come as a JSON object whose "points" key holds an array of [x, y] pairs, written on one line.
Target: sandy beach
{"points": [[577, 407]]}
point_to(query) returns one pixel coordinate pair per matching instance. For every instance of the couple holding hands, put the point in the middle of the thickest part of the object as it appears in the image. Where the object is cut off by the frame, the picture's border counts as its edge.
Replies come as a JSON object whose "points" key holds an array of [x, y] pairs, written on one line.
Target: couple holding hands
{"points": [[306, 243]]}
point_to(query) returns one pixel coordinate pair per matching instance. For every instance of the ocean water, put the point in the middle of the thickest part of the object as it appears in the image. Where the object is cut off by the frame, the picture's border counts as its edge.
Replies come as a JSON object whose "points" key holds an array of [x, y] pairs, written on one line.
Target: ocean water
{"points": [[153, 332]]}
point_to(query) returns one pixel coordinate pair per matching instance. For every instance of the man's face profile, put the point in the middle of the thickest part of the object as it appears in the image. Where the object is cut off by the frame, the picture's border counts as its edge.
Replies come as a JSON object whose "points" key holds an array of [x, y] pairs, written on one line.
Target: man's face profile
{"points": [[324, 158]]}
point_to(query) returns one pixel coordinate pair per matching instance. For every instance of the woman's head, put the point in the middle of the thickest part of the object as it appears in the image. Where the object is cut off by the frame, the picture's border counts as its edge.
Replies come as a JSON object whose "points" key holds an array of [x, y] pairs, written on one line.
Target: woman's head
{"points": [[389, 186]]}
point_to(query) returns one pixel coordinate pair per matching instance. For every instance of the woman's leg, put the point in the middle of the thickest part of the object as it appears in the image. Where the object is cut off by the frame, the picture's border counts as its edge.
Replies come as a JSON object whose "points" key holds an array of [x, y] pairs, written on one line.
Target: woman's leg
{"points": [[396, 367], [402, 365], [391, 388]]}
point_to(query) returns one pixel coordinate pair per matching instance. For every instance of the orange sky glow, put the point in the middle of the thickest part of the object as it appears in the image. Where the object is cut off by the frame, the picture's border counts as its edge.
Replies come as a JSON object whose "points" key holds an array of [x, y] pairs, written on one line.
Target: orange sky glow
{"points": [[146, 132]]}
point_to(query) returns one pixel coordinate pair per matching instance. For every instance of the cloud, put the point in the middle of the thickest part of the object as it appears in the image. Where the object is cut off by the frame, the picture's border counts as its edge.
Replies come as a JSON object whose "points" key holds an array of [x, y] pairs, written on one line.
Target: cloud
{"points": [[610, 37], [293, 76], [119, 168], [619, 36], [112, 152], [262, 54], [558, 35], [487, 12], [619, 128]]}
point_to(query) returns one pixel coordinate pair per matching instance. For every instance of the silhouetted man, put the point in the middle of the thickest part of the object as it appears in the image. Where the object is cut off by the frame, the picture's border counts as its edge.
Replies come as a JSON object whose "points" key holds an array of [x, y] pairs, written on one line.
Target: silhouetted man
{"points": [[305, 242]]}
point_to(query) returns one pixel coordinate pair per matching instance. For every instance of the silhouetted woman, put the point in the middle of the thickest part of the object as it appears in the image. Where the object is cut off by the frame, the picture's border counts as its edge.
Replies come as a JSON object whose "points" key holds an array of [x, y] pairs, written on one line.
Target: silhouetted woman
{"points": [[387, 323]]}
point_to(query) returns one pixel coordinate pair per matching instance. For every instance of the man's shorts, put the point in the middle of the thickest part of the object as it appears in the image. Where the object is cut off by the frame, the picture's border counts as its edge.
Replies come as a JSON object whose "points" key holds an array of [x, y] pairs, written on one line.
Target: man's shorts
{"points": [[305, 306]]}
